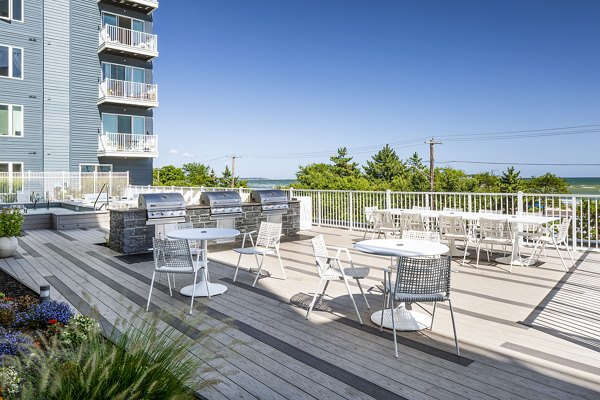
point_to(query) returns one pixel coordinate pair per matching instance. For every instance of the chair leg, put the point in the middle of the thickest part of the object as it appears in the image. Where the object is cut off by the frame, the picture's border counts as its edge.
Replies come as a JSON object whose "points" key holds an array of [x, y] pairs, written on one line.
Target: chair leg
{"points": [[478, 251], [353, 302], [561, 256], [363, 294], [206, 281], [323, 292], [193, 292], [454, 328], [150, 294], [570, 255], [385, 301], [280, 263], [237, 267], [433, 315], [259, 268], [394, 327], [169, 281], [312, 303]]}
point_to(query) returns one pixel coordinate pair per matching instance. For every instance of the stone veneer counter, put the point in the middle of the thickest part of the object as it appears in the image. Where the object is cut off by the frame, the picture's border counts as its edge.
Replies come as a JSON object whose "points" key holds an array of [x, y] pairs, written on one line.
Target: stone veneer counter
{"points": [[129, 233]]}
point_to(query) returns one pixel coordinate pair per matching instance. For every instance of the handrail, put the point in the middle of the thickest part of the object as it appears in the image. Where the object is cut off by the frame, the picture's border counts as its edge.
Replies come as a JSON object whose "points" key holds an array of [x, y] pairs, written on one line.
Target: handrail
{"points": [[128, 37], [98, 197]]}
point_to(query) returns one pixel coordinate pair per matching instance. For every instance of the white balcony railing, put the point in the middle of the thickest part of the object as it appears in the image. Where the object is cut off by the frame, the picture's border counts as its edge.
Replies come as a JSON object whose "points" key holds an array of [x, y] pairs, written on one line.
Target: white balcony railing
{"points": [[122, 39], [126, 92], [127, 145]]}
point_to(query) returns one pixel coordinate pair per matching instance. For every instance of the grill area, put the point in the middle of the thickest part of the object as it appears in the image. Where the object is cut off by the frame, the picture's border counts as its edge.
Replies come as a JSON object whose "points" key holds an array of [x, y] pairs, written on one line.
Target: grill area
{"points": [[272, 201], [225, 204], [162, 208]]}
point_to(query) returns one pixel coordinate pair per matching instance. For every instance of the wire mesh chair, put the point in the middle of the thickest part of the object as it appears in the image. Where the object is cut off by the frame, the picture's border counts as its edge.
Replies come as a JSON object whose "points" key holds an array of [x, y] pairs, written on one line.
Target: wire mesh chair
{"points": [[494, 232], [555, 235], [332, 269], [267, 242], [454, 228], [370, 218], [173, 257], [420, 280]]}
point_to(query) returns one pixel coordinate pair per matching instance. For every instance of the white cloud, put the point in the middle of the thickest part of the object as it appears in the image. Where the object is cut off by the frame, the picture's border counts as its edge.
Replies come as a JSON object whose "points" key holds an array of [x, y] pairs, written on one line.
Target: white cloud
{"points": [[187, 155], [173, 151]]}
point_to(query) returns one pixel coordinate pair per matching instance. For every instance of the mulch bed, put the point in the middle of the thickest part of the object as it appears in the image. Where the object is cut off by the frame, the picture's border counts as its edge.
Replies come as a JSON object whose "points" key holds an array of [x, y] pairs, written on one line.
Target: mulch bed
{"points": [[13, 288]]}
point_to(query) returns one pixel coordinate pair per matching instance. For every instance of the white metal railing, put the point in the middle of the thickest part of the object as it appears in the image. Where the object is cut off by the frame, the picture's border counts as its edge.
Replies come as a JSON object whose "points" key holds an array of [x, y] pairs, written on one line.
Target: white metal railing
{"points": [[24, 187], [345, 208], [127, 90], [127, 143], [138, 41]]}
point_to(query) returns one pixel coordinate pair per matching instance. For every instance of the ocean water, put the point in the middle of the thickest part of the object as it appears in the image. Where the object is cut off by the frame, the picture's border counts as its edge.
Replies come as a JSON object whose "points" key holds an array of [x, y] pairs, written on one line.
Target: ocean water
{"points": [[269, 183], [584, 185]]}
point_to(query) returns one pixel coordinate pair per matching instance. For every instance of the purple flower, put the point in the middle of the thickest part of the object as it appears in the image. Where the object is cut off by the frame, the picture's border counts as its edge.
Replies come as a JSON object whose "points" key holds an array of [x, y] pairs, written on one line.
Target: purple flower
{"points": [[40, 314], [12, 343]]}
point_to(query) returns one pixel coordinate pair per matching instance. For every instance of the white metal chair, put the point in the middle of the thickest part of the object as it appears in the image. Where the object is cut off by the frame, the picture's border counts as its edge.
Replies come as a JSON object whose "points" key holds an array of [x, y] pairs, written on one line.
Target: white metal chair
{"points": [[494, 232], [267, 242], [383, 223], [173, 257], [420, 280], [370, 218], [331, 268], [411, 221], [454, 228], [554, 235], [430, 236]]}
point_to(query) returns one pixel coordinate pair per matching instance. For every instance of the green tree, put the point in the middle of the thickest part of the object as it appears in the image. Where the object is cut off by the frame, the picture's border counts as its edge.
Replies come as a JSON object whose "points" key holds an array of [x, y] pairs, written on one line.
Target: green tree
{"points": [[547, 183], [343, 164], [453, 180], [511, 181], [169, 176], [486, 183], [418, 176], [385, 165], [199, 174], [225, 179]]}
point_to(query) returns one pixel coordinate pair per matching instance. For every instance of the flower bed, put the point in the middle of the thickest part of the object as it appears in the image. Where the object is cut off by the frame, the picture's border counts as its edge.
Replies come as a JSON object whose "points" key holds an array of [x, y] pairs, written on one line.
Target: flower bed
{"points": [[48, 352]]}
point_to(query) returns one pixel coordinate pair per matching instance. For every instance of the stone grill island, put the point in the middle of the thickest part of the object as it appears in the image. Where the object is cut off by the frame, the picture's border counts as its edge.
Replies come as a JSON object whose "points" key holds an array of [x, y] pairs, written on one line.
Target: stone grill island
{"points": [[130, 233]]}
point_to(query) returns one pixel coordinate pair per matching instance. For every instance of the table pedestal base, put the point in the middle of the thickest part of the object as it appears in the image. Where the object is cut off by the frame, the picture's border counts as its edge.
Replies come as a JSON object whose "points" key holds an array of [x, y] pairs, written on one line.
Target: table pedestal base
{"points": [[454, 252], [406, 320], [517, 261], [215, 288]]}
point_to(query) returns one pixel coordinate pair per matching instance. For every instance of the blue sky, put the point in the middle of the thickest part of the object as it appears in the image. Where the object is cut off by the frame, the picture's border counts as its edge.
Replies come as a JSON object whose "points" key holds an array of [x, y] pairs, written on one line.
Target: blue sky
{"points": [[283, 83]]}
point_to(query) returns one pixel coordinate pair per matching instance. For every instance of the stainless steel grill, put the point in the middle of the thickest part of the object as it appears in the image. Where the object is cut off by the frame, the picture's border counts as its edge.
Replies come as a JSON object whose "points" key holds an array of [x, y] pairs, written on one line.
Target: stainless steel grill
{"points": [[162, 208], [224, 204], [272, 201]]}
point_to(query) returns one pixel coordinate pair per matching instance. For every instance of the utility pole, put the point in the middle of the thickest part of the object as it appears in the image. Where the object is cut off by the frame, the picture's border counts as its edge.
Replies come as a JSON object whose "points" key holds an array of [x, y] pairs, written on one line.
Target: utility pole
{"points": [[232, 171], [432, 144]]}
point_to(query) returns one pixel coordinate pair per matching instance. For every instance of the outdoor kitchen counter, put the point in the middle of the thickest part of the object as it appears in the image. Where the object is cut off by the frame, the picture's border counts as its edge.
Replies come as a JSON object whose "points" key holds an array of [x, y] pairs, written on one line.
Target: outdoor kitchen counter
{"points": [[129, 233]]}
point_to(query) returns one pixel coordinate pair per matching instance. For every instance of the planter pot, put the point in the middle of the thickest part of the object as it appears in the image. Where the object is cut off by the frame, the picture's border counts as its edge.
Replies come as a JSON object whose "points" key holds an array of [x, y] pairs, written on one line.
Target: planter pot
{"points": [[8, 246]]}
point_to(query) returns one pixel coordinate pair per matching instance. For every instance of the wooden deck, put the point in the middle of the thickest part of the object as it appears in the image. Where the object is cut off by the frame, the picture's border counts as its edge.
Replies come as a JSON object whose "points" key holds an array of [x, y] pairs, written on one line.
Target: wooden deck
{"points": [[532, 334]]}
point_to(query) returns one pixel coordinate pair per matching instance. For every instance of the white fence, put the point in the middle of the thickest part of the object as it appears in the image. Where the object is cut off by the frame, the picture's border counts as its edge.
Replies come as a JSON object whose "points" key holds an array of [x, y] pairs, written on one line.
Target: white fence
{"points": [[25, 187], [127, 37], [127, 90], [345, 208], [127, 143]]}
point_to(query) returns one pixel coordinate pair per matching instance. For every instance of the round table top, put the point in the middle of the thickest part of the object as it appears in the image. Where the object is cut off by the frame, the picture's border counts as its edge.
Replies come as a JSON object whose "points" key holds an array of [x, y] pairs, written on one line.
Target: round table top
{"points": [[401, 247], [203, 233]]}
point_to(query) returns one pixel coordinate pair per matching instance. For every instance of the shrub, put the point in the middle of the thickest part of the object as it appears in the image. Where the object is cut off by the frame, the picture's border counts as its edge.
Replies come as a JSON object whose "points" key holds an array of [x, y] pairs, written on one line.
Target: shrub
{"points": [[11, 222], [26, 302], [7, 314], [79, 329], [9, 382], [39, 315], [12, 343], [150, 362]]}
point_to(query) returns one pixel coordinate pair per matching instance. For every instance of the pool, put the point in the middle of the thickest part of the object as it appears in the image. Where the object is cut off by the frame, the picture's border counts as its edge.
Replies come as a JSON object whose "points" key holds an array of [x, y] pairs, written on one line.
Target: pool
{"points": [[64, 216]]}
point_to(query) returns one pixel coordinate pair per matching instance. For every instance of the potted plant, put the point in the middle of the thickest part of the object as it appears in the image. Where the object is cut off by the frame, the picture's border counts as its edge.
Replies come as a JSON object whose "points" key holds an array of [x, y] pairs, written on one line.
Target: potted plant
{"points": [[11, 223]]}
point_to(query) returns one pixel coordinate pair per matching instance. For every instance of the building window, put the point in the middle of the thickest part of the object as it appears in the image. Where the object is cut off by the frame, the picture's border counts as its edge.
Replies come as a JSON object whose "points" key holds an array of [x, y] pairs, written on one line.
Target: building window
{"points": [[11, 180], [95, 168], [118, 123], [11, 120], [11, 10], [122, 22], [11, 62], [123, 73]]}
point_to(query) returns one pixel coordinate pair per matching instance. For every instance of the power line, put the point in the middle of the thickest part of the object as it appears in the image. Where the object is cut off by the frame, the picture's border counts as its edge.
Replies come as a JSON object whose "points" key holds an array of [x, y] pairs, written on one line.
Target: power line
{"points": [[519, 163]]}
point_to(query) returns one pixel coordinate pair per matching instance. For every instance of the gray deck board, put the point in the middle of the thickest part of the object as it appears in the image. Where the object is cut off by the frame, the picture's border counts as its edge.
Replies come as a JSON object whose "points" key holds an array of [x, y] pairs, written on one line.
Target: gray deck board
{"points": [[528, 334]]}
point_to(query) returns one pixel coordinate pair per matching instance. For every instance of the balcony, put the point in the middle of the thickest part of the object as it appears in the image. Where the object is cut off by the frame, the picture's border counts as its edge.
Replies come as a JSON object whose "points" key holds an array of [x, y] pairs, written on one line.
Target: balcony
{"points": [[121, 41], [113, 91], [127, 145], [143, 6]]}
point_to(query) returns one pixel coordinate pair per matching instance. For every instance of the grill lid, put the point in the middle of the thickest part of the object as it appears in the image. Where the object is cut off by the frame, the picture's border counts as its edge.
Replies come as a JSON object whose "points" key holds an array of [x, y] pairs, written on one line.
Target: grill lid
{"points": [[221, 199], [269, 196], [162, 201]]}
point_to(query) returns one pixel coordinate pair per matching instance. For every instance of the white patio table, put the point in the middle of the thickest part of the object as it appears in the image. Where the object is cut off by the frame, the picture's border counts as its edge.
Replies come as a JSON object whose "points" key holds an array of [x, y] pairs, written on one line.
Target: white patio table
{"points": [[204, 287], [515, 220], [406, 320]]}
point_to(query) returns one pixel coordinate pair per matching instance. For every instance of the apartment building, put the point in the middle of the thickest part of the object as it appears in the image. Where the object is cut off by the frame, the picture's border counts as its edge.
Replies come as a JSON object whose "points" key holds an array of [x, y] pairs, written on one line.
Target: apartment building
{"points": [[76, 86]]}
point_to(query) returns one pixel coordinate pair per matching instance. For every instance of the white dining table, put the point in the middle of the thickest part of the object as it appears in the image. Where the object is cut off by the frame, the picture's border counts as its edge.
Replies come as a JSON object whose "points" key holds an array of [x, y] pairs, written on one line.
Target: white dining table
{"points": [[406, 320], [514, 219], [204, 288]]}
